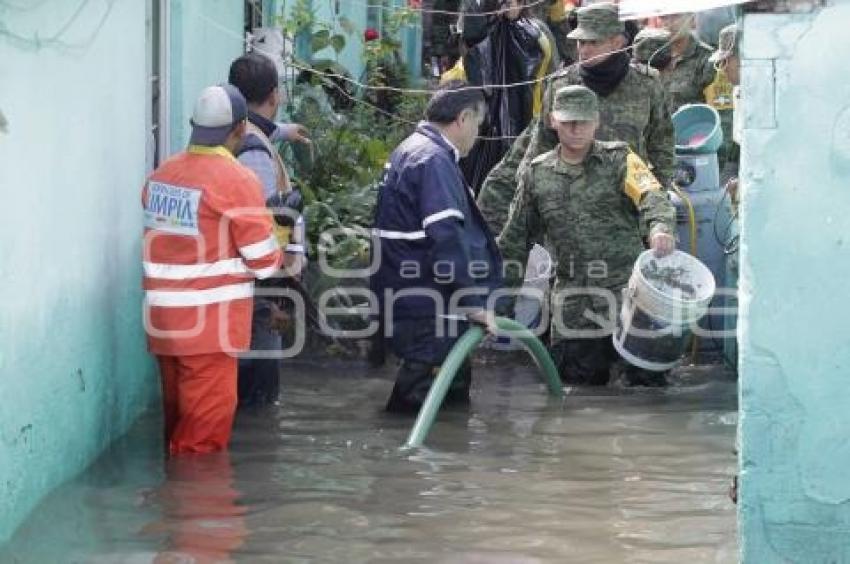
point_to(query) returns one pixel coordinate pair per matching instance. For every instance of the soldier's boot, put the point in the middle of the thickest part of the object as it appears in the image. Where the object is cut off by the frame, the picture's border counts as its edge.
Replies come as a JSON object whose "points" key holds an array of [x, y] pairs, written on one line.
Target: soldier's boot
{"points": [[583, 362]]}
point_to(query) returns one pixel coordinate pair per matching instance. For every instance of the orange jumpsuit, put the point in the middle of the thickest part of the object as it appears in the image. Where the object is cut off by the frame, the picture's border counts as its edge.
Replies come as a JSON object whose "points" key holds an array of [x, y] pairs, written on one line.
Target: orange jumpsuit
{"points": [[208, 235]]}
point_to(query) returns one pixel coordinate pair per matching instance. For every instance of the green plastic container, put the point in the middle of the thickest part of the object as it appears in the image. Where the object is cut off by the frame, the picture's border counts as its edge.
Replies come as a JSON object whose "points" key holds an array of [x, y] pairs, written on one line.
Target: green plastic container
{"points": [[698, 130]]}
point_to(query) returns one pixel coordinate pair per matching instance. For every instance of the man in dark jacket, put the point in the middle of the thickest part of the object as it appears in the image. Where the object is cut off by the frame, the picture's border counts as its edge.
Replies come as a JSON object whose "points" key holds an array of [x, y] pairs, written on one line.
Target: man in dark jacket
{"points": [[438, 260], [256, 78]]}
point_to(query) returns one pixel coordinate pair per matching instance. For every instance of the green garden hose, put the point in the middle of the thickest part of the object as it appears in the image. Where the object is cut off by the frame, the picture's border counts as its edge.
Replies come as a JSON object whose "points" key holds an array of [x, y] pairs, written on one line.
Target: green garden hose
{"points": [[462, 349]]}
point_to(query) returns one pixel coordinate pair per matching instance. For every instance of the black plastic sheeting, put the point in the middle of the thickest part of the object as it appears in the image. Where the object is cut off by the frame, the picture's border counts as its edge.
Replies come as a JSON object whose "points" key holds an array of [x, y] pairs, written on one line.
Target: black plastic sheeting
{"points": [[509, 54]]}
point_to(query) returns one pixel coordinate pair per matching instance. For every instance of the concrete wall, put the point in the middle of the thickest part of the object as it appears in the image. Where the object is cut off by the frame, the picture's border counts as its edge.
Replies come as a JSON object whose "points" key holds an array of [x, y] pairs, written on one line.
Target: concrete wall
{"points": [[795, 342], [205, 37], [74, 373]]}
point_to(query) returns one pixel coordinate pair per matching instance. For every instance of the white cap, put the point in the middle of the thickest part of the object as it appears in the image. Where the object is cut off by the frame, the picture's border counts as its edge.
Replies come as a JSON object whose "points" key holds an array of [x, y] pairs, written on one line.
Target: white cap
{"points": [[217, 110]]}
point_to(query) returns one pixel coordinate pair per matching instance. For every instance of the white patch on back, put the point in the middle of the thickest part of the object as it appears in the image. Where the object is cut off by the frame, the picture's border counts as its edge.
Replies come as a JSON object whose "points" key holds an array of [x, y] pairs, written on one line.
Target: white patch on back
{"points": [[173, 209]]}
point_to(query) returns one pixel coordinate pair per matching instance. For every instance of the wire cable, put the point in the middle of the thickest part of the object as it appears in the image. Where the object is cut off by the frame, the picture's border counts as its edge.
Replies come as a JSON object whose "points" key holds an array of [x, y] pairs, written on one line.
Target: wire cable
{"points": [[290, 63], [440, 12], [18, 8], [55, 39], [405, 121], [415, 91]]}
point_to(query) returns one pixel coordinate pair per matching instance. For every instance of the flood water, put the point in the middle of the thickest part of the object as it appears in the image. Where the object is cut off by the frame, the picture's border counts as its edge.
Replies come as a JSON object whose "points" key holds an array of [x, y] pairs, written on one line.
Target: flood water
{"points": [[602, 476]]}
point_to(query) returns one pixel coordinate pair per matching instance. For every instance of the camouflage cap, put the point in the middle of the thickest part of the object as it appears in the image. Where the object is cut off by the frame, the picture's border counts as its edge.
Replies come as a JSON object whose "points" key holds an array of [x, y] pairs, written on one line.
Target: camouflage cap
{"points": [[727, 44], [597, 21], [575, 103], [649, 42]]}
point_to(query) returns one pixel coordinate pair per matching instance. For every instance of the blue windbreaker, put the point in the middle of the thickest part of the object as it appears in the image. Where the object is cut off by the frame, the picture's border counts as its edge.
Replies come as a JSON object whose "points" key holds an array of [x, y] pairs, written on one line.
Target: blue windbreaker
{"points": [[431, 239]]}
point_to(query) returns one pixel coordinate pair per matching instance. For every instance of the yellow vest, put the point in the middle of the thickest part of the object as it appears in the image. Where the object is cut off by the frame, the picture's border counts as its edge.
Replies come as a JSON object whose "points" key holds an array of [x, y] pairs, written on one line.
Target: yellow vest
{"points": [[718, 94]]}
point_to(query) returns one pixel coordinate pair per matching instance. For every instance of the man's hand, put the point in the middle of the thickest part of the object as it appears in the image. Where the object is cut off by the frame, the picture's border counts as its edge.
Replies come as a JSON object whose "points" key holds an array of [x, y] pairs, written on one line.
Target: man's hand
{"points": [[663, 244], [279, 320], [732, 189], [484, 318], [297, 133]]}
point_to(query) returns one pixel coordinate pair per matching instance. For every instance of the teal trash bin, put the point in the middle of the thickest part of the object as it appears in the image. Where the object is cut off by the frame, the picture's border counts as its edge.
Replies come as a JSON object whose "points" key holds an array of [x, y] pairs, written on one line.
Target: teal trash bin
{"points": [[698, 130]]}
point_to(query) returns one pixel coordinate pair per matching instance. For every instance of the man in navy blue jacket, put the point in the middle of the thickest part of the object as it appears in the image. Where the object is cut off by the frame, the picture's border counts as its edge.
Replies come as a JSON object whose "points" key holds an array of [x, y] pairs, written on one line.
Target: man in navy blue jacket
{"points": [[438, 259]]}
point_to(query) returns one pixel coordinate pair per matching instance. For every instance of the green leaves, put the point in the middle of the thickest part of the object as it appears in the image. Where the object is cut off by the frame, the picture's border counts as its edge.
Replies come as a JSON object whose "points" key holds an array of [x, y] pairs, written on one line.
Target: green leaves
{"points": [[350, 148], [338, 43], [321, 39]]}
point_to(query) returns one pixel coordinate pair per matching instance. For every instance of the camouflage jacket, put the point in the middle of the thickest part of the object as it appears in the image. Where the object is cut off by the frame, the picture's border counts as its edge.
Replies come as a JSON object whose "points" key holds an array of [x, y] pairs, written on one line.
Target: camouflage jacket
{"points": [[688, 76], [636, 112], [593, 217], [499, 186]]}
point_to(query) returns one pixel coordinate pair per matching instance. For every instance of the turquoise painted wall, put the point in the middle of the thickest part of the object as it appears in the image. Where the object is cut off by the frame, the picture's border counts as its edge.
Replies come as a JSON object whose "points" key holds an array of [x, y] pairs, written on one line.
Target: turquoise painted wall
{"points": [[355, 11], [206, 35], [74, 373], [411, 39], [795, 267], [351, 57]]}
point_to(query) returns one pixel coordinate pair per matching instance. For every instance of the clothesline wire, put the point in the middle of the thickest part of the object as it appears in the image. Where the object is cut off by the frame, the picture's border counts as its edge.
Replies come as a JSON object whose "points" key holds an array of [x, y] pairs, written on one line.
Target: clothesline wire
{"points": [[412, 91], [384, 8]]}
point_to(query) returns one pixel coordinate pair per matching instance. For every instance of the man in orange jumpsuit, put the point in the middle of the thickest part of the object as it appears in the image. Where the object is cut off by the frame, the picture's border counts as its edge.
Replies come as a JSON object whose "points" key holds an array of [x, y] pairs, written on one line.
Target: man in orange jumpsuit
{"points": [[207, 236]]}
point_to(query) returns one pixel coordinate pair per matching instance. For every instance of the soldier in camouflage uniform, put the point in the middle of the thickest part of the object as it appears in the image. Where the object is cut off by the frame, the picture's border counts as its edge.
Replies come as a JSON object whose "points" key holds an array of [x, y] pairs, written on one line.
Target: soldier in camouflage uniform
{"points": [[721, 94], [594, 203], [633, 108], [728, 65], [690, 71], [652, 49]]}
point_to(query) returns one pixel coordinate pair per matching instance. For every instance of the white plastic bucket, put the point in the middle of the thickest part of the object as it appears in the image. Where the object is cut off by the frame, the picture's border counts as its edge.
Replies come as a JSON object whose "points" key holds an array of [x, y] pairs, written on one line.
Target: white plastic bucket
{"points": [[664, 298]]}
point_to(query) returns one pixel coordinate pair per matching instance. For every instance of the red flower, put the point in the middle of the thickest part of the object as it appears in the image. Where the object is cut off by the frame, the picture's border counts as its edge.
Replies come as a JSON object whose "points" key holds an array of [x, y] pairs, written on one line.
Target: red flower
{"points": [[370, 34]]}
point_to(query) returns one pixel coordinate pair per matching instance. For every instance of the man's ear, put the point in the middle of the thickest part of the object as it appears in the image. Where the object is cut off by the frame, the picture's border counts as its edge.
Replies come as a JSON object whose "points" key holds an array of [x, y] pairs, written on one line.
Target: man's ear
{"points": [[621, 42], [240, 129]]}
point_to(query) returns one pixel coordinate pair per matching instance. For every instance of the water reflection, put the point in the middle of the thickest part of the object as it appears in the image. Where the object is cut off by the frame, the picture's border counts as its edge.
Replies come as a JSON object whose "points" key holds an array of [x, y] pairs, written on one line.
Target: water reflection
{"points": [[200, 514], [602, 476]]}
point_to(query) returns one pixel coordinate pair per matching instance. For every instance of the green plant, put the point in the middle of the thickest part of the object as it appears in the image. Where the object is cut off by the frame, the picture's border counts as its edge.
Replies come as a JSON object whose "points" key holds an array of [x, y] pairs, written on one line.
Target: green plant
{"points": [[340, 173], [352, 141], [302, 23], [384, 67]]}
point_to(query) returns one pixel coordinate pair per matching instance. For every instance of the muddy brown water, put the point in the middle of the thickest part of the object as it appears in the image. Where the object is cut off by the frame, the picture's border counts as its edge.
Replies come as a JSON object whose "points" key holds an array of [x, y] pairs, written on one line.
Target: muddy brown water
{"points": [[606, 475]]}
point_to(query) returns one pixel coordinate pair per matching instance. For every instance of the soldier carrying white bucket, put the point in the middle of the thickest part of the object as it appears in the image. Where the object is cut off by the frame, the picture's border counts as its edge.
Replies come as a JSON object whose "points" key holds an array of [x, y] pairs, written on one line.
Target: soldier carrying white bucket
{"points": [[596, 205]]}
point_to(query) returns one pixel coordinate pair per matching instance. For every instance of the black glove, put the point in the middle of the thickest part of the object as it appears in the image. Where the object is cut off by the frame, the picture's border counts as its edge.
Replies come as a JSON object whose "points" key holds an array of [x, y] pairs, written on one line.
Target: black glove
{"points": [[287, 207]]}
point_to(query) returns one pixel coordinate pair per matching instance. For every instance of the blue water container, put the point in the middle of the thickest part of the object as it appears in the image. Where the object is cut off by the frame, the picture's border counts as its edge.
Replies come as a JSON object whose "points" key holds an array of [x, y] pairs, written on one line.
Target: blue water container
{"points": [[698, 130]]}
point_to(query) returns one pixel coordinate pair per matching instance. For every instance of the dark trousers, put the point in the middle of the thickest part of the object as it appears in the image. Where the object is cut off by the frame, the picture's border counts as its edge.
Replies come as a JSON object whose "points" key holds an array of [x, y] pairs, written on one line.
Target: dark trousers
{"points": [[422, 352], [259, 378], [585, 362], [413, 382], [593, 362]]}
